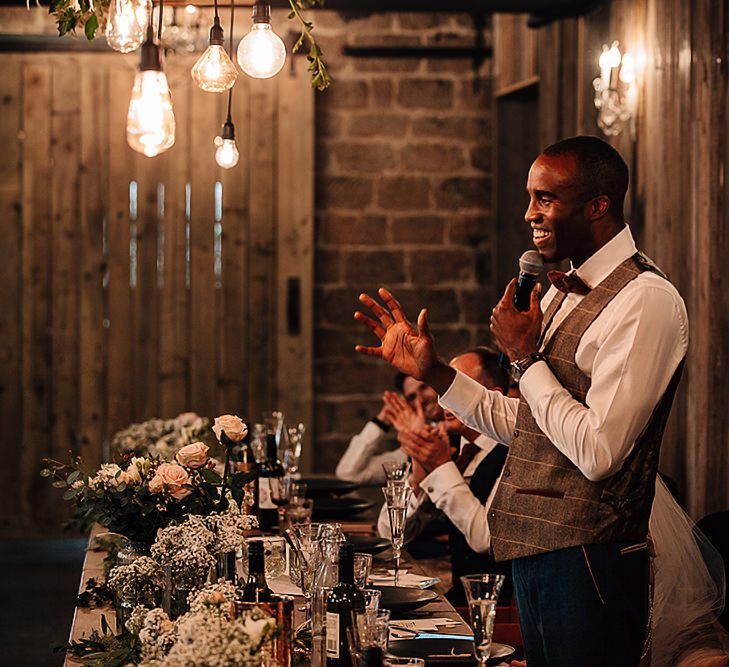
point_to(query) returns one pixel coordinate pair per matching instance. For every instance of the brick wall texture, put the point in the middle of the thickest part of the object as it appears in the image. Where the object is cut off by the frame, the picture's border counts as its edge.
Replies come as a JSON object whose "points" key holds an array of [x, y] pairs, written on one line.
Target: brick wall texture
{"points": [[403, 199]]}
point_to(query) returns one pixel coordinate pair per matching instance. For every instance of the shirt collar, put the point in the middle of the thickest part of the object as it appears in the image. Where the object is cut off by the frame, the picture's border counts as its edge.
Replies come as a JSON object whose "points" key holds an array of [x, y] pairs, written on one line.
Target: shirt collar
{"points": [[601, 264]]}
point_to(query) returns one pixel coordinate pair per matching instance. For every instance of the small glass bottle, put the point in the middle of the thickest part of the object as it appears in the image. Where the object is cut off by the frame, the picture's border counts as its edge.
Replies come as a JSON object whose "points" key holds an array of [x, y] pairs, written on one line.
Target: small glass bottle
{"points": [[271, 467], [256, 588]]}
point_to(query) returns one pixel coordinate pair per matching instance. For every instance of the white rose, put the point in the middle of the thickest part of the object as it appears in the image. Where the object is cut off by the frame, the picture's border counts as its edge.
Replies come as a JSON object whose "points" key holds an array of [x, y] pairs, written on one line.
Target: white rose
{"points": [[194, 455], [233, 426], [133, 474], [256, 629], [186, 419]]}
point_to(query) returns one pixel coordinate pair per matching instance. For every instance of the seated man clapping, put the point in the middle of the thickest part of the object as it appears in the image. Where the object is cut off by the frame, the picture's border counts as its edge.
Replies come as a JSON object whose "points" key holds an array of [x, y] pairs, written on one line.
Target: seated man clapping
{"points": [[461, 489], [367, 451]]}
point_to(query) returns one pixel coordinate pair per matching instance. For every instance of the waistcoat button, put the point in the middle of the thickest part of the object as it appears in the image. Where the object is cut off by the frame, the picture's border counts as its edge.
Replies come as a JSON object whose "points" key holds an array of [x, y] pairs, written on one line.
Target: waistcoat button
{"points": [[516, 433], [507, 472]]}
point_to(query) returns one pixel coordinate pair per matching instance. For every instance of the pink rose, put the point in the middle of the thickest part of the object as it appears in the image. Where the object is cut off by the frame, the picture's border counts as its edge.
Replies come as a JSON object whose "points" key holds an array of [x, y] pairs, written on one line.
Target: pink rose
{"points": [[194, 455], [233, 426], [174, 477]]}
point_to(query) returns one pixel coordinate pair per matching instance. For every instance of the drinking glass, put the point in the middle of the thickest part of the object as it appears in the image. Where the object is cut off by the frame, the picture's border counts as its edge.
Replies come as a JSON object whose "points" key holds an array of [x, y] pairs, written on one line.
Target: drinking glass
{"points": [[274, 552], [482, 592], [362, 566], [298, 489], [291, 454], [393, 661], [280, 496], [299, 510], [397, 497], [396, 471], [372, 598], [370, 628]]}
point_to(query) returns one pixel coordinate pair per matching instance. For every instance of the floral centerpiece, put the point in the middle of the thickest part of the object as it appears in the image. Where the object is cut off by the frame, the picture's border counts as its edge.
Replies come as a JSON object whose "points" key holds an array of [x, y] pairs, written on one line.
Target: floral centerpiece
{"points": [[208, 635], [137, 495], [162, 438]]}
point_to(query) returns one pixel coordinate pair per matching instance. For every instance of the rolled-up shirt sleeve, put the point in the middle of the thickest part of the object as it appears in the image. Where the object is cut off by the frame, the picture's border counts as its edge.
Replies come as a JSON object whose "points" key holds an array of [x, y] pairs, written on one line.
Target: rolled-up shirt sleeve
{"points": [[488, 412], [635, 359]]}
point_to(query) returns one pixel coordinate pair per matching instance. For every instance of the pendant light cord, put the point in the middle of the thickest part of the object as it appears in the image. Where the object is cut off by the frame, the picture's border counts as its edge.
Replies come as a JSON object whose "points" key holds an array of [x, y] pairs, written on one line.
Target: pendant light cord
{"points": [[159, 22], [230, 91], [215, 4]]}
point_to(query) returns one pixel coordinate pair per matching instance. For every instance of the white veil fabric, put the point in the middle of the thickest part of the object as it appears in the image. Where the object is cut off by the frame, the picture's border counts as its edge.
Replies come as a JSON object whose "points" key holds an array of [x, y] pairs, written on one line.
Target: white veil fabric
{"points": [[688, 590]]}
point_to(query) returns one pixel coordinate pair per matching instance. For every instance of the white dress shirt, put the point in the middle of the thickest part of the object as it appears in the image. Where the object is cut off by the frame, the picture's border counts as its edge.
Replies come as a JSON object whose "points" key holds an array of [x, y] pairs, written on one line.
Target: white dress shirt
{"points": [[362, 461], [630, 352], [445, 488]]}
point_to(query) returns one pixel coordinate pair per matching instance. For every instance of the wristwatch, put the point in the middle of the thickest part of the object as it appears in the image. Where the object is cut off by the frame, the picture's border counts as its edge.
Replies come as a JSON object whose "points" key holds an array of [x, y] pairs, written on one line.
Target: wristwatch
{"points": [[518, 368]]}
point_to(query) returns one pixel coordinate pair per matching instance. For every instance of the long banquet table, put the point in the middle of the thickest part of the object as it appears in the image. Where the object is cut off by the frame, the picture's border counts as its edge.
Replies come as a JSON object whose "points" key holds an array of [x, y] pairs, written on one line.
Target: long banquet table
{"points": [[86, 620]]}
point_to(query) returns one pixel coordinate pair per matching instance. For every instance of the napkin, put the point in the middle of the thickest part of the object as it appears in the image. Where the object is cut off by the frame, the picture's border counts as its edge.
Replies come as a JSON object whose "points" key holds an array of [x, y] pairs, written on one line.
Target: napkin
{"points": [[282, 585], [404, 579]]}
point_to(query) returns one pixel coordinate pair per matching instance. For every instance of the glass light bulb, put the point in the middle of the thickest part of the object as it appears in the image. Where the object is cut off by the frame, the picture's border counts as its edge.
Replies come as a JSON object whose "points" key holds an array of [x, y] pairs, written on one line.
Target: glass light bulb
{"points": [[214, 71], [150, 120], [613, 55], [127, 23], [226, 153], [261, 53], [627, 69]]}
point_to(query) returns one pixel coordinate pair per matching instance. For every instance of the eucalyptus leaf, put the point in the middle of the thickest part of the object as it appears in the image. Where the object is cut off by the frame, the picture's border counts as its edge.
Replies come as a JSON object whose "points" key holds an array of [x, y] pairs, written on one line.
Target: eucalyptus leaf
{"points": [[91, 25]]}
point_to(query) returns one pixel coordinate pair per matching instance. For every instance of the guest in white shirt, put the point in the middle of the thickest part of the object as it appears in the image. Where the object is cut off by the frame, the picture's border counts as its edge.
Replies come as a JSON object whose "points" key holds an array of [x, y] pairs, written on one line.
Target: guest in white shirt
{"points": [[437, 482], [362, 461], [460, 489], [599, 363]]}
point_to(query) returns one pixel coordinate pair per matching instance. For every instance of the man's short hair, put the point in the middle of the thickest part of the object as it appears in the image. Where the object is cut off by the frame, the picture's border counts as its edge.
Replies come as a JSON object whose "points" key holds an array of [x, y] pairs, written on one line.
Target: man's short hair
{"points": [[489, 361], [400, 381], [601, 168]]}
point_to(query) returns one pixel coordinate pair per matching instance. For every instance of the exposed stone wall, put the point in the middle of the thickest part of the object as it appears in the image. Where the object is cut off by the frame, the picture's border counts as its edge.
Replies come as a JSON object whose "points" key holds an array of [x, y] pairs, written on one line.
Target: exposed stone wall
{"points": [[403, 199]]}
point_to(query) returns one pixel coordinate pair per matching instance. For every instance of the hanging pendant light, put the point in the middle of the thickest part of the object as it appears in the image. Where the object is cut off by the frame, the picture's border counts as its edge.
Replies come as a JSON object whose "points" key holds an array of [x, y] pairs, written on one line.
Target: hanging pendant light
{"points": [[125, 27], [214, 71], [226, 153], [150, 119], [261, 53]]}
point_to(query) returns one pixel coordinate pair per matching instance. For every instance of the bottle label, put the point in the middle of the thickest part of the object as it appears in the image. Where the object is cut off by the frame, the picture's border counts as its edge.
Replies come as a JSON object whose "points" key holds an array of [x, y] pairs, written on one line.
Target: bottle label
{"points": [[332, 640], [264, 494]]}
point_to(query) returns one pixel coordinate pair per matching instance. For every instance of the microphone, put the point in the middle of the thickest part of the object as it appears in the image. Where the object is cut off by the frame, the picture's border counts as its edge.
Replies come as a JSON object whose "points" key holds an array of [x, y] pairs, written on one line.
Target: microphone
{"points": [[530, 266]]}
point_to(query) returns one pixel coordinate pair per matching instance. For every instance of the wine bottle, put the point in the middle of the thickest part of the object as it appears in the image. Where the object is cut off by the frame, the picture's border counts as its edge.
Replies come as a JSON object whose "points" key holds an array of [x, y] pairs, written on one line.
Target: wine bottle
{"points": [[372, 656], [271, 467], [256, 588], [246, 462], [344, 599]]}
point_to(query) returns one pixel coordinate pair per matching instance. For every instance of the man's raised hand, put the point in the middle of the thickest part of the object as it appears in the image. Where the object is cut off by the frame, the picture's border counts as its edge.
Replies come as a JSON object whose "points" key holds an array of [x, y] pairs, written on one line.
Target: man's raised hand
{"points": [[410, 350]]}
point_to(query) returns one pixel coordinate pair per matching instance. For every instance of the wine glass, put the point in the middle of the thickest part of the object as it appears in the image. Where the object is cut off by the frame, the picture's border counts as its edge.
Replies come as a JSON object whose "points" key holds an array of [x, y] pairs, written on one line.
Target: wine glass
{"points": [[482, 592], [280, 496], [396, 471], [291, 452], [397, 498]]}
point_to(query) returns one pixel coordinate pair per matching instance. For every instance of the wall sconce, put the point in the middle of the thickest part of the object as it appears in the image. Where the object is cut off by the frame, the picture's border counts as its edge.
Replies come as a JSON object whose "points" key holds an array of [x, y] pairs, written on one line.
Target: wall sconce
{"points": [[616, 89]]}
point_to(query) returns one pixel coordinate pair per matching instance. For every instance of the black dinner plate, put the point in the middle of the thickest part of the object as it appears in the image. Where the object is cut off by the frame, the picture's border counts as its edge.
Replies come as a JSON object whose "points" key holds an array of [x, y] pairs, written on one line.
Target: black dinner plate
{"points": [[445, 652], [340, 508], [368, 544], [399, 599], [325, 487]]}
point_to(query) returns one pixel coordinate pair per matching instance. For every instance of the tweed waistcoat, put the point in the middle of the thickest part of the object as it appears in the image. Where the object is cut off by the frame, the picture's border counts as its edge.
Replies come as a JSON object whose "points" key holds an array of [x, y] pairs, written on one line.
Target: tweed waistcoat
{"points": [[544, 502]]}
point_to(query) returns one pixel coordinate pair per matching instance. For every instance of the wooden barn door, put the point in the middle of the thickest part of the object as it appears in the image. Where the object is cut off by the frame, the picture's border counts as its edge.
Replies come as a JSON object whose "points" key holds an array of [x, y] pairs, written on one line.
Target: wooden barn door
{"points": [[137, 287]]}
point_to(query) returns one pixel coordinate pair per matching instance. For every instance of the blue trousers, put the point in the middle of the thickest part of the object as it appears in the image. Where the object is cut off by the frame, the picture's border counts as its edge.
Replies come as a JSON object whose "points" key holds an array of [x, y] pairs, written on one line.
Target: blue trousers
{"points": [[583, 606]]}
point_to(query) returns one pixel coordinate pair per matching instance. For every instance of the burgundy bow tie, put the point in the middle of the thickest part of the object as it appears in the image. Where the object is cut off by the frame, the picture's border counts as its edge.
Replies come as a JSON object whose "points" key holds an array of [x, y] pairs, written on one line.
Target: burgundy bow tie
{"points": [[568, 282]]}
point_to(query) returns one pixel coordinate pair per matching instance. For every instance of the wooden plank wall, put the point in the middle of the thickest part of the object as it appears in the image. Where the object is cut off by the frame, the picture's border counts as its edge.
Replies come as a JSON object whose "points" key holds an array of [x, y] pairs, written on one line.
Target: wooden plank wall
{"points": [[133, 287], [678, 154]]}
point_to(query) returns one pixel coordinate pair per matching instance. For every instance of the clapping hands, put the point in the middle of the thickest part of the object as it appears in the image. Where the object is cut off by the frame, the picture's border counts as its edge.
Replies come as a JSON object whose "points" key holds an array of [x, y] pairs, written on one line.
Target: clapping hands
{"points": [[429, 446]]}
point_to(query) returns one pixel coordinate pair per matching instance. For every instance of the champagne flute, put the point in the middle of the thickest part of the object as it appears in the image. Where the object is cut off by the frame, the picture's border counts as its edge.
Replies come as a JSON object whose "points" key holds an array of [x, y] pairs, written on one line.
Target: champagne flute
{"points": [[281, 488], [396, 471], [397, 498], [293, 450], [482, 592]]}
